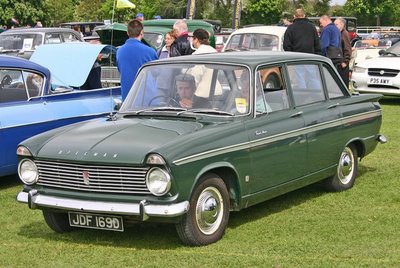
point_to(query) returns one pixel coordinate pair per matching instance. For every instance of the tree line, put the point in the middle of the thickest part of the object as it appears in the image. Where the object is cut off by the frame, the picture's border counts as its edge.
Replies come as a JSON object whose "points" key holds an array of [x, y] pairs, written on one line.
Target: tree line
{"points": [[54, 12]]}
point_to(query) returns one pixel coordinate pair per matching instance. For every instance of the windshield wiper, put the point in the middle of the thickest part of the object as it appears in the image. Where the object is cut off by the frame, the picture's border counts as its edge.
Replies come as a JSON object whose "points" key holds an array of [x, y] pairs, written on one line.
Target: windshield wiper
{"points": [[157, 109], [8, 50], [207, 111], [385, 52]]}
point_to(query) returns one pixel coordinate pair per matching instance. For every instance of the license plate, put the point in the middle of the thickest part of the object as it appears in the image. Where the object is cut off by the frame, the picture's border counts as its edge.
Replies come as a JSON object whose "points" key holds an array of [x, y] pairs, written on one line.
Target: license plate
{"points": [[380, 81], [96, 221]]}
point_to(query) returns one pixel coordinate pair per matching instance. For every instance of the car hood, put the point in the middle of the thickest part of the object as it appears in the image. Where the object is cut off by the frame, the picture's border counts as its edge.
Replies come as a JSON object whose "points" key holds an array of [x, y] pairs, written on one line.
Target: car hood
{"points": [[69, 63], [121, 141], [381, 62]]}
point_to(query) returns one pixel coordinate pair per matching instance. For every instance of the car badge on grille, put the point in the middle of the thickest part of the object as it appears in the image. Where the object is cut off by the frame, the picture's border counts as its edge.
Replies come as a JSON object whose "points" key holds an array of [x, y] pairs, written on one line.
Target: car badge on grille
{"points": [[86, 177], [381, 72]]}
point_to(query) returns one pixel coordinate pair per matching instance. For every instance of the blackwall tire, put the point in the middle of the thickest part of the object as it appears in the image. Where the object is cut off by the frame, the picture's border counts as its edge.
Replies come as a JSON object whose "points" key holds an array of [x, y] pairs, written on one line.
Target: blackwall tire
{"points": [[58, 222]]}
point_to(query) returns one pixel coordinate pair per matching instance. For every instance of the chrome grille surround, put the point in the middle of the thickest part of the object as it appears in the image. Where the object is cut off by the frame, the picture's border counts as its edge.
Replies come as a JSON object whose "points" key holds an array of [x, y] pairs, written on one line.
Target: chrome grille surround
{"points": [[93, 178], [383, 72]]}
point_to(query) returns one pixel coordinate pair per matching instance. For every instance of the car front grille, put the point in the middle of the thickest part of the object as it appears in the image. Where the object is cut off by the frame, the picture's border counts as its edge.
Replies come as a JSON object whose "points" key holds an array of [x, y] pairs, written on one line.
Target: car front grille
{"points": [[382, 72], [92, 178]]}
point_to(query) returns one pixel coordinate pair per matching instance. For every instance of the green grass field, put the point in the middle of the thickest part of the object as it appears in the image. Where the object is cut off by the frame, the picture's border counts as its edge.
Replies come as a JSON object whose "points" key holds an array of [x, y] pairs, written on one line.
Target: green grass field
{"points": [[305, 228]]}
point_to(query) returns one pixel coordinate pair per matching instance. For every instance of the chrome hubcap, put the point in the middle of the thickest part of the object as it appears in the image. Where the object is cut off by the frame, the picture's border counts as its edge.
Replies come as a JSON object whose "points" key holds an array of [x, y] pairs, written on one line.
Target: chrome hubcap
{"points": [[346, 166], [209, 210]]}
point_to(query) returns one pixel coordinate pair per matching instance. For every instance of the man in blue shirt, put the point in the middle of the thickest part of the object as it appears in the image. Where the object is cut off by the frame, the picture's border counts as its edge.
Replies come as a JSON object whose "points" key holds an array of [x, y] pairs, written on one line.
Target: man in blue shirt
{"points": [[132, 55], [330, 35]]}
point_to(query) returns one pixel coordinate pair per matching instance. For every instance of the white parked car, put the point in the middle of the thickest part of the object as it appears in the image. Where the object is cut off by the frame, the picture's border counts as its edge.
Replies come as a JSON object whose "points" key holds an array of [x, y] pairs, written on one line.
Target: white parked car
{"points": [[256, 38], [379, 75]]}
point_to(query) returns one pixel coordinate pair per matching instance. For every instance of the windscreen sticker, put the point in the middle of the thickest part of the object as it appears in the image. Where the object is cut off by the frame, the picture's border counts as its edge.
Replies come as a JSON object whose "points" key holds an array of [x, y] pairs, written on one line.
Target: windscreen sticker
{"points": [[241, 105]]}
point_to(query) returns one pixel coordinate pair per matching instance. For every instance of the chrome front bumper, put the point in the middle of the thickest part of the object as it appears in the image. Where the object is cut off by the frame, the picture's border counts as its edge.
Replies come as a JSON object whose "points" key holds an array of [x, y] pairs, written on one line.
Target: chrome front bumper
{"points": [[142, 209]]}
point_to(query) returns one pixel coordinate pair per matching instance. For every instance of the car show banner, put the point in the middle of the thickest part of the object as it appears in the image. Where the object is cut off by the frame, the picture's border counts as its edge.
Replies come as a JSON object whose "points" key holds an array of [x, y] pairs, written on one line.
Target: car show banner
{"points": [[237, 9]]}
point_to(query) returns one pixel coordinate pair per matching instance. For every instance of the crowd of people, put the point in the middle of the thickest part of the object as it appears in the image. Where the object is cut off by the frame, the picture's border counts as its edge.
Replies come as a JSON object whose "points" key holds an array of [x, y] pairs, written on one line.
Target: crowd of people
{"points": [[333, 41], [178, 42]]}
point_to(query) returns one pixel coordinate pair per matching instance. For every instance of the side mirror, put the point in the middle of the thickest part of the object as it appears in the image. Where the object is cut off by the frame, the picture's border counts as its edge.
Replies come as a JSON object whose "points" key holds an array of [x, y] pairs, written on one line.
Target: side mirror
{"points": [[382, 52], [117, 104]]}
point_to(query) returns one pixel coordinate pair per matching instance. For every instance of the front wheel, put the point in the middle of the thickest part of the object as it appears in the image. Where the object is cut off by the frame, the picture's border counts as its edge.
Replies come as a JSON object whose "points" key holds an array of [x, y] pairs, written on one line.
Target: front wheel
{"points": [[208, 216], [346, 171], [58, 222]]}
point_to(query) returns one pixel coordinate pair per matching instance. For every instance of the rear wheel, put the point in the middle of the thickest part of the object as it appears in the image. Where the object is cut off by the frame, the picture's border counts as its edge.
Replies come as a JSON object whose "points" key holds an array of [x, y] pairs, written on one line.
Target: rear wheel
{"points": [[346, 171], [58, 222], [208, 215]]}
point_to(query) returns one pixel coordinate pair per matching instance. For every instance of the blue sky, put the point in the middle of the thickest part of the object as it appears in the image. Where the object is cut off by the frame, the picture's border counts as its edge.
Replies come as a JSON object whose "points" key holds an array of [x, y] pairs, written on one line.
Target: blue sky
{"points": [[338, 2]]}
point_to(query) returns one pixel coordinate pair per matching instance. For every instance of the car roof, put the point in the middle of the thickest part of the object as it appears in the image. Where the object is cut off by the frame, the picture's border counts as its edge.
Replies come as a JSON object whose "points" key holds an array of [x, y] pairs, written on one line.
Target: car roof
{"points": [[170, 22], [250, 58], [38, 30], [17, 62], [276, 30]]}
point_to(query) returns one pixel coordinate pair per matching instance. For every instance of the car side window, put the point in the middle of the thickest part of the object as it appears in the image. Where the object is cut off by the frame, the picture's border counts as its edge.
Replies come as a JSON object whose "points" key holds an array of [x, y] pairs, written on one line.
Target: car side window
{"points": [[334, 90], [53, 38], [306, 84], [12, 87], [274, 89], [68, 37], [33, 82]]}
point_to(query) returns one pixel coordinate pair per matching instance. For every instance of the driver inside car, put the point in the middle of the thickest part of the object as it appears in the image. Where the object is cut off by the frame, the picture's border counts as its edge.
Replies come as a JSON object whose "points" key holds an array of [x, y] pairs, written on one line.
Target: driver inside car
{"points": [[185, 88]]}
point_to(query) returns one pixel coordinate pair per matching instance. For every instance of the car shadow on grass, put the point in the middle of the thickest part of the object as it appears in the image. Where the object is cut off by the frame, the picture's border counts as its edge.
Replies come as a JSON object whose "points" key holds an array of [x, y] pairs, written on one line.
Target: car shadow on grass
{"points": [[390, 100], [276, 205], [9, 181], [140, 236]]}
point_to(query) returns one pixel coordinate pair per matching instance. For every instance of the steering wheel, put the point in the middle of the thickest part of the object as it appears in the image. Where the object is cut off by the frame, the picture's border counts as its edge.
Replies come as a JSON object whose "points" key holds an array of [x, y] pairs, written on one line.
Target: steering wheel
{"points": [[167, 101]]}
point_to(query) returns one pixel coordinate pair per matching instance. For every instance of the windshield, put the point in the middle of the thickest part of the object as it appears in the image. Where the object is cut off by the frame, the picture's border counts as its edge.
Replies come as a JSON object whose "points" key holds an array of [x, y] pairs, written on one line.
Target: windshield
{"points": [[193, 88], [154, 39], [20, 41], [253, 41], [395, 49]]}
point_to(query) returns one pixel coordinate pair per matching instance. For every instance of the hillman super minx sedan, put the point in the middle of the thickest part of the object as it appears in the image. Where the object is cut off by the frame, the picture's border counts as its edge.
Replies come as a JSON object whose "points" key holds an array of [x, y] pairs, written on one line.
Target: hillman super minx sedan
{"points": [[198, 137]]}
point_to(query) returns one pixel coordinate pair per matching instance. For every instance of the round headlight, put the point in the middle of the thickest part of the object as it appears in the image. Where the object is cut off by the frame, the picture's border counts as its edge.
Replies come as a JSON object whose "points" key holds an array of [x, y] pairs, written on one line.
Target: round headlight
{"points": [[158, 181], [27, 171]]}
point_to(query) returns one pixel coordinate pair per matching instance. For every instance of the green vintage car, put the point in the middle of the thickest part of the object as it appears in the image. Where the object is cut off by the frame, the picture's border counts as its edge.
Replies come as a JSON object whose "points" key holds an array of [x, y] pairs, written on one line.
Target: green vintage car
{"points": [[154, 32], [198, 137]]}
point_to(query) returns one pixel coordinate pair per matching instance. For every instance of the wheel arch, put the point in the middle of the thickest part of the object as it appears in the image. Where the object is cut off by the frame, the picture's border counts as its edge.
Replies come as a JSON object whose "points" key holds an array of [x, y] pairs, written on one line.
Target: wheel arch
{"points": [[359, 146], [229, 175]]}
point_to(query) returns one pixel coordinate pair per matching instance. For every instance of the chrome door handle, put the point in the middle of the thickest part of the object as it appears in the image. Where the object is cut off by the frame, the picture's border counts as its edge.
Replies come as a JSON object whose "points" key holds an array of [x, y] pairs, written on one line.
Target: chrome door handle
{"points": [[333, 105], [297, 114]]}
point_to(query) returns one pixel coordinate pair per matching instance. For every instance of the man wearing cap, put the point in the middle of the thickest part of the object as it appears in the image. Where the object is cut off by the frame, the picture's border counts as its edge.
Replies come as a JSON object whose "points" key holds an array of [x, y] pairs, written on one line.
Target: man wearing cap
{"points": [[132, 55], [200, 40], [140, 16]]}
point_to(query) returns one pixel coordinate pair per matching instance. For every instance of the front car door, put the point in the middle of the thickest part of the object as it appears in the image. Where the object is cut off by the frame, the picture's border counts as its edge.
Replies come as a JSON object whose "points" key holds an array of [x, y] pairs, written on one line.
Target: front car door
{"points": [[21, 112]]}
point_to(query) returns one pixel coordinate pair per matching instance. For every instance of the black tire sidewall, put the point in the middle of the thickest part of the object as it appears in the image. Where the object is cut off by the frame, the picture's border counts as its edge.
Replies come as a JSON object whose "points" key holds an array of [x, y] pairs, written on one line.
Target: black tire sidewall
{"points": [[199, 238]]}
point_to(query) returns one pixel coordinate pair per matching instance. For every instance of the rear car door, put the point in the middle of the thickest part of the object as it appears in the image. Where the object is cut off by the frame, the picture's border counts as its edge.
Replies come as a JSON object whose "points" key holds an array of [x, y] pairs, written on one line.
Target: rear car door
{"points": [[322, 115]]}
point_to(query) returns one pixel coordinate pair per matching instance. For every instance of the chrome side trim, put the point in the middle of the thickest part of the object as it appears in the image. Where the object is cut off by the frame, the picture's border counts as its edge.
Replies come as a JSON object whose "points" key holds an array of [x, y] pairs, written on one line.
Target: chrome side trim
{"points": [[144, 209], [94, 115], [277, 137]]}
